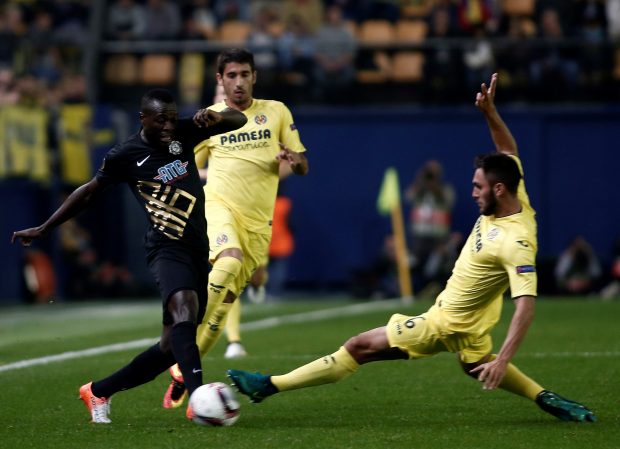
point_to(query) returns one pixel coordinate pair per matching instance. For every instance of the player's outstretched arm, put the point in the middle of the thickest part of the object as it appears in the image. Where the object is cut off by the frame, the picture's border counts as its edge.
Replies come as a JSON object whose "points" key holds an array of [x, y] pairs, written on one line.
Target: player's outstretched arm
{"points": [[501, 135], [220, 122], [492, 373], [297, 162], [74, 204]]}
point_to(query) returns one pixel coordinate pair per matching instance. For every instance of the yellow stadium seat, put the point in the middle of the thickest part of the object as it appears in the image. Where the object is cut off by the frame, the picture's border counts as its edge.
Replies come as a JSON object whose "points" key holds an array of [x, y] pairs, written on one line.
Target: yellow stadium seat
{"points": [[518, 7], [158, 69], [379, 75], [234, 32], [376, 32], [121, 70], [408, 67], [411, 31]]}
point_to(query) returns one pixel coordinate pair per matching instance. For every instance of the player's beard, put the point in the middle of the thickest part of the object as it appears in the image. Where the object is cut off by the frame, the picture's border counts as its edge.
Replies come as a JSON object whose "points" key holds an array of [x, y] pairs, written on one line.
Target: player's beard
{"points": [[490, 205]]}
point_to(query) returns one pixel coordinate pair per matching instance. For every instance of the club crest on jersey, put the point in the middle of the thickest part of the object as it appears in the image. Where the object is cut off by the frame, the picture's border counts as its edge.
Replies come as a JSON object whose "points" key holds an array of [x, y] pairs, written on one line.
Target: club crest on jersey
{"points": [[172, 172], [260, 119], [492, 234], [175, 147], [221, 239]]}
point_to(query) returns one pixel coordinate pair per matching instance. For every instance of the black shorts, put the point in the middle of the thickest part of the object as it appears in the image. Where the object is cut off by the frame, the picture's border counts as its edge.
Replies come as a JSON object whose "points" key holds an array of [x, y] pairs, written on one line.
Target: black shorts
{"points": [[177, 268]]}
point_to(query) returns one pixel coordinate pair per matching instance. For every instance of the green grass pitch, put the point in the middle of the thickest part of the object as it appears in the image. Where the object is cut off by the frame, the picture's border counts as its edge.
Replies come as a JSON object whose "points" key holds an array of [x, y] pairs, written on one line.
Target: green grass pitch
{"points": [[572, 348]]}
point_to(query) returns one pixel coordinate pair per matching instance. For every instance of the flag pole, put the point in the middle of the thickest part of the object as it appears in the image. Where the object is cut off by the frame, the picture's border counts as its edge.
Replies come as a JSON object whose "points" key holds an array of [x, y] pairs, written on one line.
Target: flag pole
{"points": [[389, 202], [402, 257]]}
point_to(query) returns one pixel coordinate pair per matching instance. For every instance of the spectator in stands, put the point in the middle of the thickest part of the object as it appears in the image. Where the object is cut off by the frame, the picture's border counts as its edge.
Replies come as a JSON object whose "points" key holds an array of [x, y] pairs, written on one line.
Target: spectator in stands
{"points": [[126, 20], [554, 67], [334, 56], [439, 265], [478, 57], [431, 200], [591, 22], [200, 21], [612, 9], [443, 59], [379, 9], [232, 10], [163, 20], [13, 29], [85, 275], [612, 289], [311, 11], [578, 268], [513, 59], [71, 21], [474, 15], [8, 92], [379, 280], [263, 42], [296, 49]]}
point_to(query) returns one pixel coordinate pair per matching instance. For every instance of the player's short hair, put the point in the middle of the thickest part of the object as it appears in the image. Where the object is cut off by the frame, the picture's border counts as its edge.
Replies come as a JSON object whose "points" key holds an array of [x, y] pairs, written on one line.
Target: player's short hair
{"points": [[499, 167], [161, 95], [238, 55]]}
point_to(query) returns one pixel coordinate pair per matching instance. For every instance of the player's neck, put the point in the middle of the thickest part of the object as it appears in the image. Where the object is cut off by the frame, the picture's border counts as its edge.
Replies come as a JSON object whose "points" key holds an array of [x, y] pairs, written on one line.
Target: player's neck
{"points": [[239, 107], [509, 206]]}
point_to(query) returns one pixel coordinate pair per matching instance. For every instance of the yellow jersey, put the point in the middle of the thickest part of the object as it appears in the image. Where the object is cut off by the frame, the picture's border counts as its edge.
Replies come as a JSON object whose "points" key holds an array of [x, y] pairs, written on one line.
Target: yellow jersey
{"points": [[499, 253], [243, 170]]}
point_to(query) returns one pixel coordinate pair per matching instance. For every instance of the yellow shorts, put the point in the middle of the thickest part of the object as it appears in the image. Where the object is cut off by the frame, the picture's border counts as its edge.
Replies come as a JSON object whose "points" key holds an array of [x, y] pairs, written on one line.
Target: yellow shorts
{"points": [[225, 231], [423, 336]]}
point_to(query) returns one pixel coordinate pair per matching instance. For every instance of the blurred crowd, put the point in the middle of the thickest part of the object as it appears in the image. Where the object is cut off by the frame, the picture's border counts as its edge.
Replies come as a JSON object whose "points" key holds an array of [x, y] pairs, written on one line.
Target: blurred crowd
{"points": [[547, 50]]}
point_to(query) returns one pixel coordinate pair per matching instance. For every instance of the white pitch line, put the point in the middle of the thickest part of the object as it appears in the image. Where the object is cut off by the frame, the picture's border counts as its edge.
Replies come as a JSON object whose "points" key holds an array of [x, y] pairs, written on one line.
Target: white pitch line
{"points": [[317, 315], [355, 309]]}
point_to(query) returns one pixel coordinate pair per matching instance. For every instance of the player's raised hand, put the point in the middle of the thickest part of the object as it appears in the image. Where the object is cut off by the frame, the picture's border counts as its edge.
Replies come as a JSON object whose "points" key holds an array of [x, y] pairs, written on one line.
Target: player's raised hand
{"points": [[26, 236], [485, 99], [206, 118]]}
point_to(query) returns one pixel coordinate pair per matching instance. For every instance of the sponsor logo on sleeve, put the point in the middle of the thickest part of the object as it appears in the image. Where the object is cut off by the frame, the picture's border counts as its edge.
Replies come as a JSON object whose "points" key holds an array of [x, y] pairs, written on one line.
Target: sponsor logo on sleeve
{"points": [[526, 269]]}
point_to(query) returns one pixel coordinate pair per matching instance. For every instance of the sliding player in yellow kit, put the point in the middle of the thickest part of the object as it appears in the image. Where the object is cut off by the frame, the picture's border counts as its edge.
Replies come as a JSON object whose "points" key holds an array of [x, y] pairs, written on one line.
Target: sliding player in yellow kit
{"points": [[244, 168], [499, 253]]}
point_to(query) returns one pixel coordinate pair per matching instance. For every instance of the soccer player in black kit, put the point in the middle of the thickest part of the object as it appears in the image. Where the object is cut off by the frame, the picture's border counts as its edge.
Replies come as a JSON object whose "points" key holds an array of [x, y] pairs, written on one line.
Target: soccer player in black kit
{"points": [[158, 165]]}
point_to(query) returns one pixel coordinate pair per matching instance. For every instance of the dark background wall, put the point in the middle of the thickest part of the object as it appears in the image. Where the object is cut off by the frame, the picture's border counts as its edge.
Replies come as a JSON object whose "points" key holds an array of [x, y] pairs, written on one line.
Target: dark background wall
{"points": [[570, 158]]}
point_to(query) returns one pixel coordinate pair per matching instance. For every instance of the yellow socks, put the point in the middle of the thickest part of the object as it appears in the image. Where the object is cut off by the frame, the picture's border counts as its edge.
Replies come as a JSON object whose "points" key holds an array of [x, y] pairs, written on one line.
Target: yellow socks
{"points": [[233, 322], [225, 270], [209, 332], [518, 383], [328, 369]]}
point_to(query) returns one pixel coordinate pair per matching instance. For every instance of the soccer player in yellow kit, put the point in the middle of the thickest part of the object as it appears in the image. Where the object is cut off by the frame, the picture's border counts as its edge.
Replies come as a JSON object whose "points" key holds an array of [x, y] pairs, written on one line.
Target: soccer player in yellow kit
{"points": [[499, 253], [244, 168]]}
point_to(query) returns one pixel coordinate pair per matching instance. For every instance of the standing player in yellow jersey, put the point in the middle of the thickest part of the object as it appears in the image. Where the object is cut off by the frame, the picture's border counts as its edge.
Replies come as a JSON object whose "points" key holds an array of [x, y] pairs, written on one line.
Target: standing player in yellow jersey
{"points": [[499, 253], [244, 168]]}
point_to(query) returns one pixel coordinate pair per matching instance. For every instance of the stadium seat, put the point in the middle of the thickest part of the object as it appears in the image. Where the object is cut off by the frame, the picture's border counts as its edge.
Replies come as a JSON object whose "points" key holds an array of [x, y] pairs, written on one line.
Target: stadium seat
{"points": [[416, 9], [121, 70], [408, 67], [411, 31], [234, 32], [376, 32], [158, 69], [379, 75], [518, 7]]}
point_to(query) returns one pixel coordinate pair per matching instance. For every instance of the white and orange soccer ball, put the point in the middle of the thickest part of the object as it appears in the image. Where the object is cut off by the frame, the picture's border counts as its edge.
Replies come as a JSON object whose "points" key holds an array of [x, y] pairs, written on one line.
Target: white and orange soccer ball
{"points": [[214, 404]]}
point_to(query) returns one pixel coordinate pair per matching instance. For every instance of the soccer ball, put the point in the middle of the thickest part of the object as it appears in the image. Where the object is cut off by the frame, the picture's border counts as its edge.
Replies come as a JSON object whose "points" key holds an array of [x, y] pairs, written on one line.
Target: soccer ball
{"points": [[214, 404]]}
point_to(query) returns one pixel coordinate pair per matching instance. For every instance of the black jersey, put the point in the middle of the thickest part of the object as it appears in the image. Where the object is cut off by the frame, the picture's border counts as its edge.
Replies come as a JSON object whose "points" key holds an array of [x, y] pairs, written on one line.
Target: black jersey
{"points": [[167, 185]]}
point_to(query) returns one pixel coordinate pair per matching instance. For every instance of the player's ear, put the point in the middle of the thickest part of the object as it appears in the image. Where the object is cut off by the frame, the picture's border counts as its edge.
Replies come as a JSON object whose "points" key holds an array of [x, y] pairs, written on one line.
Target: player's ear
{"points": [[499, 189]]}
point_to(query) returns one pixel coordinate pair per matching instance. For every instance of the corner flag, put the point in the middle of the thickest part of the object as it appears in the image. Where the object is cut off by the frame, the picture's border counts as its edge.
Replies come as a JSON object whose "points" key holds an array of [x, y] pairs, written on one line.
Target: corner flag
{"points": [[388, 203], [389, 195]]}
